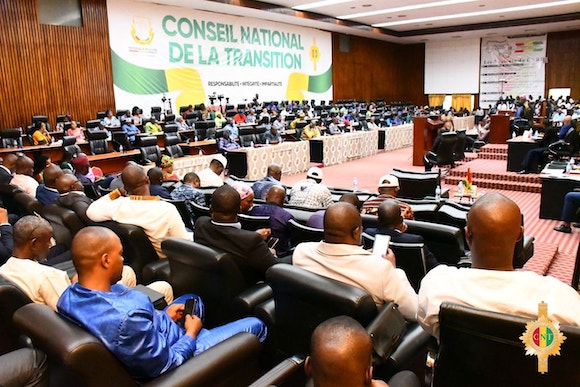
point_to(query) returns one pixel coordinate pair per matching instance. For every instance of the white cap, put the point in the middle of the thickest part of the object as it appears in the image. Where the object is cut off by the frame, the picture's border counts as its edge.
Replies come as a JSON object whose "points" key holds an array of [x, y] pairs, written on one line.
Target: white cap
{"points": [[388, 181], [221, 158], [314, 173]]}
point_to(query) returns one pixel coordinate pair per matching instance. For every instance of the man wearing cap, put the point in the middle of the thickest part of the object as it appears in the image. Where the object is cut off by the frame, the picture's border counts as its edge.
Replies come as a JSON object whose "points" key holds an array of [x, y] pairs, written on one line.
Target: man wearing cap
{"points": [[309, 192], [300, 118], [211, 176], [388, 189]]}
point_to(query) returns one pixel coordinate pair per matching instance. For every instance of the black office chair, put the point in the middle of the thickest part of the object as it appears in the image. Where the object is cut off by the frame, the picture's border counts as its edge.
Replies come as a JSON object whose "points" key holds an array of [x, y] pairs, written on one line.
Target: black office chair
{"points": [[44, 119], [11, 138], [150, 152], [92, 124], [459, 152], [98, 143], [482, 348], [186, 216], [198, 211], [253, 223], [156, 112], [172, 147], [69, 145], [300, 233], [446, 149], [415, 185]]}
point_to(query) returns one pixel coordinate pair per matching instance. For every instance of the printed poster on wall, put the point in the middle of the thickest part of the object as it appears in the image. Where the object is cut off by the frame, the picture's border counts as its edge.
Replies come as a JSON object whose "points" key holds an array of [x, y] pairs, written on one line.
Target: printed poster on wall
{"points": [[512, 66], [187, 55]]}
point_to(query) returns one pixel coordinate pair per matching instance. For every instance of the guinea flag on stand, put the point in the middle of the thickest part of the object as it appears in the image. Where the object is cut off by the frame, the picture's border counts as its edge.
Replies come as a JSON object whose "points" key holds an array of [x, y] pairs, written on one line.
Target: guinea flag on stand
{"points": [[467, 182]]}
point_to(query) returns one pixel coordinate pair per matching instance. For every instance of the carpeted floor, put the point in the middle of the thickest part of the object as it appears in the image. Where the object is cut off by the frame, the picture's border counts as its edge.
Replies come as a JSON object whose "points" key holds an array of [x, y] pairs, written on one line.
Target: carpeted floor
{"points": [[368, 171]]}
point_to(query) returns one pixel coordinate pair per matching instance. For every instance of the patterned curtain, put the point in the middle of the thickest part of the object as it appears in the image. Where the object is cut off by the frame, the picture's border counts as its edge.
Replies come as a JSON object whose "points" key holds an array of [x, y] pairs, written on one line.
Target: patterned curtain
{"points": [[436, 99]]}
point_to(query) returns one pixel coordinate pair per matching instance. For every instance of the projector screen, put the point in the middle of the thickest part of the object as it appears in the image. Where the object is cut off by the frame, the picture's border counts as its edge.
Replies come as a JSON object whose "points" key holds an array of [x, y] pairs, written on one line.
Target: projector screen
{"points": [[452, 67]]}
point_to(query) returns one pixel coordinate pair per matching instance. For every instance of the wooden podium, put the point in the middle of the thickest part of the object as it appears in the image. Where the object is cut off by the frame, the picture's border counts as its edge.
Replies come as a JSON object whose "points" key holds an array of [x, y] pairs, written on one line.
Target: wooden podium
{"points": [[499, 129], [424, 134]]}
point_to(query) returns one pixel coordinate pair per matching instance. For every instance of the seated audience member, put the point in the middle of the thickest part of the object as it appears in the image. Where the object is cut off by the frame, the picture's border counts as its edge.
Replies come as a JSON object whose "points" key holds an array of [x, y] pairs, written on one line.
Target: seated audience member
{"points": [[223, 231], [41, 161], [23, 175], [390, 222], [166, 166], [227, 143], [310, 131], [76, 131], [24, 367], [300, 118], [430, 158], [44, 284], [251, 117], [41, 135], [66, 163], [211, 176], [371, 124], [272, 136], [316, 220], [7, 167], [340, 257], [279, 217], [341, 355], [189, 192], [492, 231], [231, 126], [571, 206], [333, 128], [46, 193], [246, 196], [535, 157], [110, 121], [146, 341], [72, 196], [88, 175], [6, 236], [156, 187], [273, 176], [219, 120], [388, 189], [159, 219], [309, 192], [181, 123], [278, 124], [240, 117], [130, 129], [187, 111], [153, 126]]}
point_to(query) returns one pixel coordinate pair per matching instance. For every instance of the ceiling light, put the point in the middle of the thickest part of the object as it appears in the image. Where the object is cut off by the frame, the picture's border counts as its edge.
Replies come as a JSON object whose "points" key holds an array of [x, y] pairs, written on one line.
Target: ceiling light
{"points": [[479, 13], [320, 4], [401, 9]]}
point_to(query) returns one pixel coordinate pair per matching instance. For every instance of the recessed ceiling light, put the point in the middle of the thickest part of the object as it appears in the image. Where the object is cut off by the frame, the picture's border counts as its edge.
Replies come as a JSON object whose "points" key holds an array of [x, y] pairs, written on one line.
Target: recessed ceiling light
{"points": [[491, 33], [530, 30], [401, 15], [352, 7], [367, 5], [429, 24], [424, 40], [480, 13], [455, 37], [320, 4], [481, 5]]}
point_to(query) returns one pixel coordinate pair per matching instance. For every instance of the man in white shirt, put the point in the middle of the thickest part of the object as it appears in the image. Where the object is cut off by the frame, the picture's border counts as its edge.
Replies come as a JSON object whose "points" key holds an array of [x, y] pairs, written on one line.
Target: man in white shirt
{"points": [[340, 257], [41, 283], [211, 176], [493, 228], [309, 192], [23, 177], [159, 219]]}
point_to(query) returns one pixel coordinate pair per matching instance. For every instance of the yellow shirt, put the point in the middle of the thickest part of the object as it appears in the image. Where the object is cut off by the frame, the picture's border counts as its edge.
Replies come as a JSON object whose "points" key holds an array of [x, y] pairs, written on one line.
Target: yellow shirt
{"points": [[38, 137], [310, 132], [150, 127]]}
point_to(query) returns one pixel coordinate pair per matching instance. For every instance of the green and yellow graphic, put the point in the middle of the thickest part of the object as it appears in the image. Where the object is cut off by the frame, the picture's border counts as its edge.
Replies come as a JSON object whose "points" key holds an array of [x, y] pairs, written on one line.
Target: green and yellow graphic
{"points": [[300, 82]]}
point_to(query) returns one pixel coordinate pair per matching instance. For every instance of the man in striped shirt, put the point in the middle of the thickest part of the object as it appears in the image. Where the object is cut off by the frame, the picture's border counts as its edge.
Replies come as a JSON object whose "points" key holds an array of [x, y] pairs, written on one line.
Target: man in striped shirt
{"points": [[388, 188]]}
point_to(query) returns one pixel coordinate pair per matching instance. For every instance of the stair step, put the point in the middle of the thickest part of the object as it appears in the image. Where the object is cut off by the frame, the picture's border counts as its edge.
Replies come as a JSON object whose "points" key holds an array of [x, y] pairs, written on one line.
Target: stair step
{"points": [[493, 156], [560, 267], [511, 177], [544, 256]]}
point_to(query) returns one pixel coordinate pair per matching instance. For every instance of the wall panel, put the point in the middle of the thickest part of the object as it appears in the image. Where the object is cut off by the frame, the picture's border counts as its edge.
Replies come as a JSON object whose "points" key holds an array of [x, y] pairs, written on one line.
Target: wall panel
{"points": [[563, 68], [52, 70]]}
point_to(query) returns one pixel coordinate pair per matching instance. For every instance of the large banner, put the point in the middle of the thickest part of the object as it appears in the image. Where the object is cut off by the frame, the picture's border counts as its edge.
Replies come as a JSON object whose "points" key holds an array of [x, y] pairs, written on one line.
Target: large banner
{"points": [[185, 55], [512, 66]]}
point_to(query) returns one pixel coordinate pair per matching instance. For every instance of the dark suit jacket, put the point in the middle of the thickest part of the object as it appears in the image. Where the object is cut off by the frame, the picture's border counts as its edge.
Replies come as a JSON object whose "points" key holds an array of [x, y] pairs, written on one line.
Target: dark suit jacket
{"points": [[398, 237], [249, 250], [5, 176], [77, 203], [6, 242], [45, 195]]}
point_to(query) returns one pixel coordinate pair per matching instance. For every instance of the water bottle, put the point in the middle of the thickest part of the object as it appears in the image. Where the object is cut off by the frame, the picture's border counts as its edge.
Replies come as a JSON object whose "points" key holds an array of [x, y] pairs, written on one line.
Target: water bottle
{"points": [[568, 166], [121, 148], [200, 153], [438, 193], [195, 139], [267, 142], [251, 144], [513, 134], [355, 184], [460, 189]]}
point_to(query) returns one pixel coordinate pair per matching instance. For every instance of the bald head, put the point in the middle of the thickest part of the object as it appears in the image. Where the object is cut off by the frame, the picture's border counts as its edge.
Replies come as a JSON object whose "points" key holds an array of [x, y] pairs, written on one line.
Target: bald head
{"points": [[352, 199], [342, 224], [50, 174], [155, 176], [493, 228], [68, 182], [276, 195], [25, 166], [275, 171], [9, 161], [89, 247], [135, 180], [225, 204], [389, 214], [340, 354]]}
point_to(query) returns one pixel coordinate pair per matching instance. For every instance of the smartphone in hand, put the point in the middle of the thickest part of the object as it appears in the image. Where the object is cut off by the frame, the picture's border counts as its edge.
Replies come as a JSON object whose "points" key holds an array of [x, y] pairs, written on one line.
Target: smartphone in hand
{"points": [[272, 242], [381, 244], [190, 306]]}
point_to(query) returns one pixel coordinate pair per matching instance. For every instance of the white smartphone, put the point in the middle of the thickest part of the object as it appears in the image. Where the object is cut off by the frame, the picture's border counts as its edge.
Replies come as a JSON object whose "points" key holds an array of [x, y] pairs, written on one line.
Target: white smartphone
{"points": [[381, 244]]}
